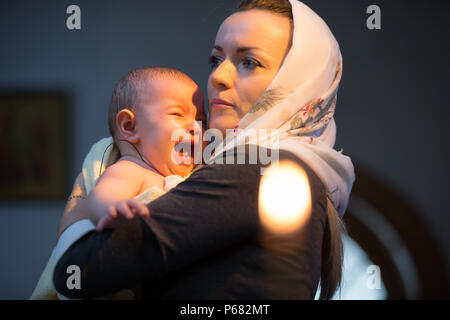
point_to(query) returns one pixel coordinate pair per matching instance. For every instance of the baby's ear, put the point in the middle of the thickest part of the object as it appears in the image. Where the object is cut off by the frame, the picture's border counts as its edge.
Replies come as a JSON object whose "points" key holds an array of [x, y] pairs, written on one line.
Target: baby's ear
{"points": [[126, 125]]}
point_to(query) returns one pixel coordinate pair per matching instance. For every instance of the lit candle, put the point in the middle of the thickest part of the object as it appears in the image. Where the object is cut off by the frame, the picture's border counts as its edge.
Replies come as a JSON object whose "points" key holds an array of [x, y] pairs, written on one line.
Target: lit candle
{"points": [[284, 197]]}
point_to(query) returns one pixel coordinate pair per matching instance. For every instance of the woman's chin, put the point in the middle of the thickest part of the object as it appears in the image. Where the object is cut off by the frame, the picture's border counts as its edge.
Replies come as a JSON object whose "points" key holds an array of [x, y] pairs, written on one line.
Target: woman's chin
{"points": [[223, 123]]}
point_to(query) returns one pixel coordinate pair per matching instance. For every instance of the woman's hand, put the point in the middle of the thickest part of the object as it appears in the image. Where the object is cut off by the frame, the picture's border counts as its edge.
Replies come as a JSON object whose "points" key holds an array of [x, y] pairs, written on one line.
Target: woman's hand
{"points": [[76, 205]]}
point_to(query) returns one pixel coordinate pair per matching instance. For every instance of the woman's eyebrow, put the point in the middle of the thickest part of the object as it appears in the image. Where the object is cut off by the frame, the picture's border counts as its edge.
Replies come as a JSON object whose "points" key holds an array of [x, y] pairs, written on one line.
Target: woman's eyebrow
{"points": [[244, 49], [238, 50]]}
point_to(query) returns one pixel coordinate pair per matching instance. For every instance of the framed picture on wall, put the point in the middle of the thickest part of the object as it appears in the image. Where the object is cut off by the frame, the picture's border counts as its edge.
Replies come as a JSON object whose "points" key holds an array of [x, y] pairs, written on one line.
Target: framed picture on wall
{"points": [[33, 144]]}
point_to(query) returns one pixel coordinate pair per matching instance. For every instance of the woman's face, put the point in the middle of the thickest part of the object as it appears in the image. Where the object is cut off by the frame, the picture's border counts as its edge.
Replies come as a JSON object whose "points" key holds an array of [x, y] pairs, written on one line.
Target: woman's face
{"points": [[249, 49]]}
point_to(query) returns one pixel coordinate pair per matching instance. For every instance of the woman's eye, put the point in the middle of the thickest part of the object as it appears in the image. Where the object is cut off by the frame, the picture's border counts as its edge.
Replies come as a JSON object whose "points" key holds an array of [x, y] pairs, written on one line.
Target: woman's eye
{"points": [[214, 61], [250, 63]]}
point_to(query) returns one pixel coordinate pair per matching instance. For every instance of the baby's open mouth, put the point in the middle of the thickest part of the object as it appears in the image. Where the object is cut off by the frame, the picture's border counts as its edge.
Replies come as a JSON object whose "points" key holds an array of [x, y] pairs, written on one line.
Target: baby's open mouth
{"points": [[185, 151]]}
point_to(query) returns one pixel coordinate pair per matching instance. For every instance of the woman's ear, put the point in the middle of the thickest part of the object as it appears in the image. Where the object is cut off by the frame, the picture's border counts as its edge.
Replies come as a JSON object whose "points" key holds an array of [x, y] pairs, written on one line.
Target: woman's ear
{"points": [[126, 125]]}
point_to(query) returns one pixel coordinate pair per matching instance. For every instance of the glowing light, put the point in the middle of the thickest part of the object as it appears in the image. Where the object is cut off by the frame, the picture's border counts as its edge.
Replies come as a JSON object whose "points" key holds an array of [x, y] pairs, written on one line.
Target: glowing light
{"points": [[284, 197]]}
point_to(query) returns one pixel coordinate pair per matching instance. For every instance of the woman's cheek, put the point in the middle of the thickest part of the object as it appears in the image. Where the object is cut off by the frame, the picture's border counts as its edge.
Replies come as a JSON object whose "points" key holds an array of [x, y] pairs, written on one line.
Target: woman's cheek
{"points": [[248, 95], [256, 88]]}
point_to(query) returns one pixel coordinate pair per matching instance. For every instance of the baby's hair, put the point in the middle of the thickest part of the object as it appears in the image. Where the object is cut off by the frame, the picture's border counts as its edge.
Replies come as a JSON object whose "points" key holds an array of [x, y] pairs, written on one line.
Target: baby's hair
{"points": [[127, 91]]}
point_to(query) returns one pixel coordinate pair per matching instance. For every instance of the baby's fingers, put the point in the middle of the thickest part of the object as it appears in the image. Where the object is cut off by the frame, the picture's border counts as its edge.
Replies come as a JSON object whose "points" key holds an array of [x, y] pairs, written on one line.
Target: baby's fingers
{"points": [[124, 210], [103, 223], [112, 212], [138, 207], [107, 219]]}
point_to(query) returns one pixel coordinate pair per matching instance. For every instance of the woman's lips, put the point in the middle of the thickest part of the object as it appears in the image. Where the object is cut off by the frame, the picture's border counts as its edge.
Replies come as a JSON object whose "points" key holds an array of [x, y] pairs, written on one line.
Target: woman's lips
{"points": [[219, 103]]}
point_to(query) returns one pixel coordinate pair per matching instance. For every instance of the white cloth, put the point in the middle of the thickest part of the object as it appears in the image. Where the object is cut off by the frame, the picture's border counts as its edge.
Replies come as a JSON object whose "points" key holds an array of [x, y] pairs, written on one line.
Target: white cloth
{"points": [[302, 115], [101, 155]]}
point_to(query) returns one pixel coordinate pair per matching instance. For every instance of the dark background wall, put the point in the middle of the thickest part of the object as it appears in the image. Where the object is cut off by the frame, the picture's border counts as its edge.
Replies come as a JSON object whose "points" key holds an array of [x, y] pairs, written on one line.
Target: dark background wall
{"points": [[392, 112]]}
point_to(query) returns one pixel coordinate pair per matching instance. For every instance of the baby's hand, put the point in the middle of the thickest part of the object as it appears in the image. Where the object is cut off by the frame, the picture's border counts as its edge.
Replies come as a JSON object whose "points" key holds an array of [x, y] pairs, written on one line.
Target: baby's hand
{"points": [[122, 212]]}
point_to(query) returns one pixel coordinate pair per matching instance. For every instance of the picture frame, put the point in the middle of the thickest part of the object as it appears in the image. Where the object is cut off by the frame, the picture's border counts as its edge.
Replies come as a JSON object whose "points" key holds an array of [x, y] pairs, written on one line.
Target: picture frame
{"points": [[33, 161]]}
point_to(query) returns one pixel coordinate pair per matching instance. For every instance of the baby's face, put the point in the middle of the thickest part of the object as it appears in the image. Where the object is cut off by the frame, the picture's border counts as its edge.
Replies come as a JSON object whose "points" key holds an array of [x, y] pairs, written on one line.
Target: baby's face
{"points": [[168, 111]]}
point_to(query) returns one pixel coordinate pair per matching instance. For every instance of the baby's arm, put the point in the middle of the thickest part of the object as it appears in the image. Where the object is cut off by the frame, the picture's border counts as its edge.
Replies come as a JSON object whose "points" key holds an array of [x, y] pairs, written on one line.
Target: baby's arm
{"points": [[113, 194]]}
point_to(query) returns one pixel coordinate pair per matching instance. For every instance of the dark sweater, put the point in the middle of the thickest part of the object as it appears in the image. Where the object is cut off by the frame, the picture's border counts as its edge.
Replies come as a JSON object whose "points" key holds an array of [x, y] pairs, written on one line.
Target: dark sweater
{"points": [[203, 240]]}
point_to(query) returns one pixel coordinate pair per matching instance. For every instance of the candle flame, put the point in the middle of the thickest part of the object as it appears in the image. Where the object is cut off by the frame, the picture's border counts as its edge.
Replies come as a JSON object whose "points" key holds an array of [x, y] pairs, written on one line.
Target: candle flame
{"points": [[284, 197]]}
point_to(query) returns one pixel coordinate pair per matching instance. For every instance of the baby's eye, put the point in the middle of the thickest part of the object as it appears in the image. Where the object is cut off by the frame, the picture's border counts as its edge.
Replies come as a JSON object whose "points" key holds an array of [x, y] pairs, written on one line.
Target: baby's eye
{"points": [[176, 114]]}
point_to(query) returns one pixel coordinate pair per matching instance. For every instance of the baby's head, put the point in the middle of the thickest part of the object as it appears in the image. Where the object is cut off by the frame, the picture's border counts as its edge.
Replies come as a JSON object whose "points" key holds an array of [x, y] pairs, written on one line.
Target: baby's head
{"points": [[147, 107]]}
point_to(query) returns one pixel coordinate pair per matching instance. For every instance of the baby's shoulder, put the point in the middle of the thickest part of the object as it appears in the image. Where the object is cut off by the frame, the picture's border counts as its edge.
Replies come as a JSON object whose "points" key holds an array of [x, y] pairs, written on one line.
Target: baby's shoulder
{"points": [[125, 168], [133, 171], [124, 163]]}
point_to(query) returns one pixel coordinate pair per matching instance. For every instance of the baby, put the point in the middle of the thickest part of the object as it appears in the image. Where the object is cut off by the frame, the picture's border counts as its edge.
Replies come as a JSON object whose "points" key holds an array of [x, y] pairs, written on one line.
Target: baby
{"points": [[152, 119]]}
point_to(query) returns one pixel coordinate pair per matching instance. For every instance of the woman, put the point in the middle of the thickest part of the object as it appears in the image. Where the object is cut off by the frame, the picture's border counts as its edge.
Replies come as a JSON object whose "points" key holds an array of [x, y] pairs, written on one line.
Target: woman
{"points": [[275, 65]]}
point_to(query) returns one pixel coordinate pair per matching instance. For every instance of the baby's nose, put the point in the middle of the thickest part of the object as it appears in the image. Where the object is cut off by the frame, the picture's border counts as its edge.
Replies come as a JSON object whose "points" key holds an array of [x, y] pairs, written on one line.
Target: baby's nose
{"points": [[194, 127]]}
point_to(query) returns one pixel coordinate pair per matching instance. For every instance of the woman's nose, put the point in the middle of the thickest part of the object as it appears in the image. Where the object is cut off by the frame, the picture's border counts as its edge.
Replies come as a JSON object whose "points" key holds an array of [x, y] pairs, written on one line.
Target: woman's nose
{"points": [[222, 76]]}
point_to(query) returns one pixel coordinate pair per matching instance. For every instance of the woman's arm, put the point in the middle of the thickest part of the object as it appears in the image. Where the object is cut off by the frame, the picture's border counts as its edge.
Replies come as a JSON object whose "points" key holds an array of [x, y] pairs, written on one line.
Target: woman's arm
{"points": [[76, 205], [197, 217], [216, 207]]}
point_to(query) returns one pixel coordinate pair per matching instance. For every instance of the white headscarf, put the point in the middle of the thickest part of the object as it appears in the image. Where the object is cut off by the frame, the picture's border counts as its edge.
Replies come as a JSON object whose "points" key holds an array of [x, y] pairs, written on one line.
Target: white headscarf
{"points": [[306, 89]]}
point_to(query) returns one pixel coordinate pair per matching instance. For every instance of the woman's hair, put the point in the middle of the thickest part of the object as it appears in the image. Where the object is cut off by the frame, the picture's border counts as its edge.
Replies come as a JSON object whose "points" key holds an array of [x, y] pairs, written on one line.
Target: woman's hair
{"points": [[332, 249], [281, 7]]}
